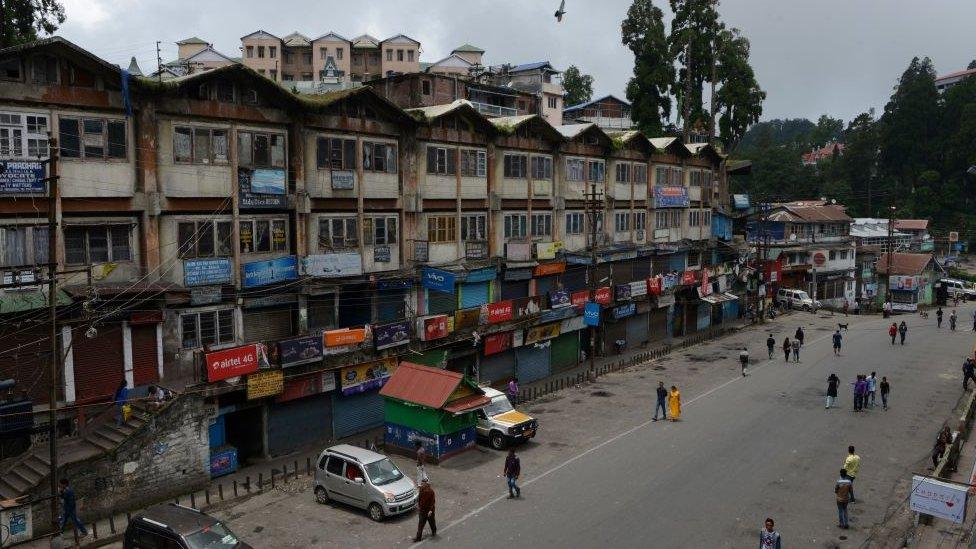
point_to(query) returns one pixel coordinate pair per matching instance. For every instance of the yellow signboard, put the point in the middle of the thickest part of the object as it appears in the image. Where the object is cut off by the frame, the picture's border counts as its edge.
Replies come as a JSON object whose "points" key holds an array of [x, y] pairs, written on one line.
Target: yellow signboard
{"points": [[540, 333], [265, 384]]}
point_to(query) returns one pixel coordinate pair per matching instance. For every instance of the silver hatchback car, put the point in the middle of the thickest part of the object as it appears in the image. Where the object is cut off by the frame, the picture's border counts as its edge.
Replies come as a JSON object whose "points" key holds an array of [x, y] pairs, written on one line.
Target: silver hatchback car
{"points": [[363, 479]]}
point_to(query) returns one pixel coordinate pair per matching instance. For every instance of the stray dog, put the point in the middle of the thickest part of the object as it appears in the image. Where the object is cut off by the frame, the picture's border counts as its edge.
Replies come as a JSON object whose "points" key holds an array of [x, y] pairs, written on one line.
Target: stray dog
{"points": [[923, 314], [842, 326]]}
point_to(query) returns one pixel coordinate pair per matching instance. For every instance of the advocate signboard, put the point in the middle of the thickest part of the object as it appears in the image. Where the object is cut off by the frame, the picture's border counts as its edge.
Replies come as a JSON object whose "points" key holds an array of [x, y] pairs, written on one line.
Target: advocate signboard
{"points": [[333, 265], [236, 361], [262, 273], [204, 272], [21, 176]]}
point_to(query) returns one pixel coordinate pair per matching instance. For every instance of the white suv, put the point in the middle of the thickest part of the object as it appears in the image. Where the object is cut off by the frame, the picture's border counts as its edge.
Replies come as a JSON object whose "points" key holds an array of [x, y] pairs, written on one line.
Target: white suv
{"points": [[796, 299]]}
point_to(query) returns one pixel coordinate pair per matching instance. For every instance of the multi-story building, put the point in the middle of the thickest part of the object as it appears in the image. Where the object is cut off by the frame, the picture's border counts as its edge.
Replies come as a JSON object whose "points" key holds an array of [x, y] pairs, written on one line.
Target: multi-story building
{"points": [[415, 90], [607, 112], [539, 79], [946, 81], [193, 55]]}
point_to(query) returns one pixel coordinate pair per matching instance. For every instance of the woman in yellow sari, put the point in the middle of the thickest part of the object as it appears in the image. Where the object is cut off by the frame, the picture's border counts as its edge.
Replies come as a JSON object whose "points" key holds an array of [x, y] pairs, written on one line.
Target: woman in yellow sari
{"points": [[674, 403]]}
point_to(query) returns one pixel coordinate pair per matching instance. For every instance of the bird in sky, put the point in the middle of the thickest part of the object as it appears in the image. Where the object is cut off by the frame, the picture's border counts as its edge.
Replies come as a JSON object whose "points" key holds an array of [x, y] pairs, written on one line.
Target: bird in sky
{"points": [[561, 11]]}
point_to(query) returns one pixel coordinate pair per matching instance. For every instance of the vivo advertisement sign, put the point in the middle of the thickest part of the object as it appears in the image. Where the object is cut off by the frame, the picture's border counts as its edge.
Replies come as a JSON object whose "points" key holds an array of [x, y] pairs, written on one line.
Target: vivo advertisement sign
{"points": [[671, 196], [437, 279], [262, 273], [591, 314]]}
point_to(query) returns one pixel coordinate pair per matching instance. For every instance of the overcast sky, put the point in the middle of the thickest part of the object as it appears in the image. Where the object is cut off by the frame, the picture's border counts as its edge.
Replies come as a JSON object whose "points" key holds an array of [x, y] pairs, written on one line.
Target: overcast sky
{"points": [[839, 57]]}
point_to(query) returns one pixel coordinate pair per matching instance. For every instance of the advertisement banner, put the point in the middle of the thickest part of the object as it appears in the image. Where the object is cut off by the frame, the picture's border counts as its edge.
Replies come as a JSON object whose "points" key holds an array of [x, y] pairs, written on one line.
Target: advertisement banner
{"points": [[688, 278], [518, 251], [903, 282], [333, 265], [706, 285], [22, 176], [262, 273], [525, 306], [669, 281], [548, 269], [381, 254], [654, 285], [547, 250], [638, 288], [940, 499], [542, 333], [579, 299], [204, 272], [496, 343], [265, 384], [571, 325], [602, 295], [304, 386], [17, 524], [391, 335], [344, 336], [501, 311], [223, 462], [591, 314], [438, 280], [671, 196], [235, 362], [250, 198], [624, 311], [467, 318], [300, 350], [268, 181], [432, 327], [622, 292], [366, 377], [559, 298]]}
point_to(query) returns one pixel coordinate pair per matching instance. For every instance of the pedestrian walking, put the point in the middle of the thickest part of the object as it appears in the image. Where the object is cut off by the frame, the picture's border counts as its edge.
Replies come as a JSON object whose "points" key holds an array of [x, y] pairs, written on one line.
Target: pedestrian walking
{"points": [[872, 388], [796, 350], [844, 492], [903, 328], [952, 320], [837, 338], [513, 391], [121, 398], [974, 321], [968, 372], [847, 305], [832, 382], [893, 332], [674, 403], [425, 510], [421, 461], [852, 464], [69, 510], [885, 389], [938, 318], [860, 387], [513, 468], [799, 335], [744, 360], [662, 398], [770, 345], [768, 537], [787, 347]]}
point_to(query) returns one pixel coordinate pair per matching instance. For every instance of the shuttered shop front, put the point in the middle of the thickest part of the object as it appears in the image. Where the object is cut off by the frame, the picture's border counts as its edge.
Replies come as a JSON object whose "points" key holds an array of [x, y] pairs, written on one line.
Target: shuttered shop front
{"points": [[145, 355], [298, 423], [390, 305], [565, 352], [636, 330], [497, 368], [658, 324], [613, 330], [441, 302], [269, 323], [474, 294], [532, 362], [356, 413], [99, 366]]}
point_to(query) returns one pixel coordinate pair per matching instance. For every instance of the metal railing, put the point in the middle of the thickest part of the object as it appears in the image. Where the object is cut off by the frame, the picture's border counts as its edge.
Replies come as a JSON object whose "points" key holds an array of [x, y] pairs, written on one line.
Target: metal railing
{"points": [[494, 110]]}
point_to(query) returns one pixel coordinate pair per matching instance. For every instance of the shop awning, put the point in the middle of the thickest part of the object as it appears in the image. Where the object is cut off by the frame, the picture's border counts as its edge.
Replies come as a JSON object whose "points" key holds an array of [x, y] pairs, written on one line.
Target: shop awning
{"points": [[467, 404], [27, 300], [432, 387], [719, 298]]}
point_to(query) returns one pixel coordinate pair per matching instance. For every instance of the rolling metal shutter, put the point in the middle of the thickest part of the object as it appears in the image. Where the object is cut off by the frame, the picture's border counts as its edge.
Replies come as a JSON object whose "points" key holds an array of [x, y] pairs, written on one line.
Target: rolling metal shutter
{"points": [[642, 268], [612, 332], [321, 311], [704, 316], [497, 369], [145, 356], [565, 352], [390, 305], [441, 302], [356, 413], [574, 279], [474, 294], [658, 324], [98, 362], [636, 330], [25, 352], [298, 423], [514, 289], [268, 324], [532, 362], [545, 284], [355, 306]]}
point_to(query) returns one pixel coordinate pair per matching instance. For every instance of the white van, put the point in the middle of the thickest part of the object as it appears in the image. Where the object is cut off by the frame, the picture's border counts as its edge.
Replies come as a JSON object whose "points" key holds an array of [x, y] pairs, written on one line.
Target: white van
{"points": [[796, 299], [959, 288]]}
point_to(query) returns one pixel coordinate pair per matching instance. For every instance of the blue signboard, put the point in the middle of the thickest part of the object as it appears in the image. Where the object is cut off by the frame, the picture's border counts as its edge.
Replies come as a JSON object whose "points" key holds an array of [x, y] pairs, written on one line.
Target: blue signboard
{"points": [[439, 446], [262, 273], [268, 181], [223, 461], [301, 350], [622, 292], [671, 196], [438, 279], [200, 272], [624, 311], [591, 313], [394, 284], [21, 176], [481, 275], [391, 335], [559, 298]]}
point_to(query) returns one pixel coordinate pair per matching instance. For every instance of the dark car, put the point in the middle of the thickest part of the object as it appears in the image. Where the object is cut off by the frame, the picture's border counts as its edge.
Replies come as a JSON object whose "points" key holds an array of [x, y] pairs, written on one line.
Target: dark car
{"points": [[172, 526]]}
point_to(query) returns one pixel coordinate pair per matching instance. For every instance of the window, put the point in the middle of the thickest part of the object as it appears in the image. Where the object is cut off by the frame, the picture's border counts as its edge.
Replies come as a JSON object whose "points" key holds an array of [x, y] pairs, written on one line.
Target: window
{"points": [[250, 52], [621, 222], [521, 105], [196, 145], [203, 239], [574, 223], [96, 244], [676, 218], [261, 72], [261, 51], [207, 328], [273, 74], [843, 254], [473, 227], [640, 173], [574, 169], [832, 255], [379, 157], [707, 218], [553, 102], [694, 259], [335, 153], [623, 172], [640, 221], [410, 55], [307, 58], [474, 163], [263, 235], [441, 228], [541, 167], [598, 170], [425, 87], [696, 219], [542, 224], [272, 51], [92, 138], [338, 233], [287, 56], [666, 175], [515, 226], [20, 133], [45, 69], [260, 150], [10, 69], [399, 55], [389, 55], [225, 92], [515, 166], [23, 245], [380, 230], [441, 160]]}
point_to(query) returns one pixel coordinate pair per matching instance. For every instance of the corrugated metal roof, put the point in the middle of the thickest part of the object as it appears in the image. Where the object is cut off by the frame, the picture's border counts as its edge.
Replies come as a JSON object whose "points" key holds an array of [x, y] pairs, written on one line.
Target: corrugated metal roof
{"points": [[532, 66], [467, 404], [468, 48], [296, 39], [593, 101], [903, 264], [192, 40], [424, 385], [365, 41], [570, 131], [912, 224]]}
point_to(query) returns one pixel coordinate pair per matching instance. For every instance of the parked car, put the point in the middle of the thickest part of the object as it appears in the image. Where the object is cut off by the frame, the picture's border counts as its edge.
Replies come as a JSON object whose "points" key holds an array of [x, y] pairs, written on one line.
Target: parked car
{"points": [[959, 288], [501, 424], [796, 299], [364, 479], [175, 526]]}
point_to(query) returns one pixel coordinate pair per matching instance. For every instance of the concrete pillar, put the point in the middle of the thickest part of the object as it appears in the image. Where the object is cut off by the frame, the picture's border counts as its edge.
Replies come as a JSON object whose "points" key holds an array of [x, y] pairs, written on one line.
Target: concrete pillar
{"points": [[159, 349], [127, 353], [69, 365]]}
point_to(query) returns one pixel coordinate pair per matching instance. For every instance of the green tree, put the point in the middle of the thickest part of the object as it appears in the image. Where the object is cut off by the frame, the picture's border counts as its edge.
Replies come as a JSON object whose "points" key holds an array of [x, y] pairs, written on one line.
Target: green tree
{"points": [[578, 86], [738, 101], [858, 165], [692, 44], [827, 129], [643, 33], [971, 65], [22, 20]]}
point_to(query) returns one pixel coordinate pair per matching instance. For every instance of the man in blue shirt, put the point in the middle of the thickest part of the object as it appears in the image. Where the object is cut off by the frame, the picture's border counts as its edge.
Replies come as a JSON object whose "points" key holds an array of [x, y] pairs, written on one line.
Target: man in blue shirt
{"points": [[662, 398], [69, 509], [837, 338]]}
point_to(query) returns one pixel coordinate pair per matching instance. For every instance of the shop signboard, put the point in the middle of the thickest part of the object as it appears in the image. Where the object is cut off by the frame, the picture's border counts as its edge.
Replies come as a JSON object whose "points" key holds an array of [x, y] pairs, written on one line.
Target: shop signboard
{"points": [[16, 525], [671, 196], [591, 314], [481, 275], [624, 311], [541, 333], [391, 335], [18, 176], [579, 299], [264, 384], [467, 318], [497, 343], [518, 251], [262, 273], [300, 350], [571, 325], [549, 269], [669, 281], [665, 300], [903, 283], [547, 250], [236, 361], [654, 285], [333, 265], [366, 377], [308, 385], [421, 251], [432, 327], [525, 306], [344, 336], [517, 274], [559, 298], [688, 278], [622, 292], [394, 284], [475, 250], [343, 180], [203, 272], [602, 295], [268, 181], [706, 285], [638, 288], [500, 311], [438, 280], [381, 254], [940, 499], [260, 199], [205, 295]]}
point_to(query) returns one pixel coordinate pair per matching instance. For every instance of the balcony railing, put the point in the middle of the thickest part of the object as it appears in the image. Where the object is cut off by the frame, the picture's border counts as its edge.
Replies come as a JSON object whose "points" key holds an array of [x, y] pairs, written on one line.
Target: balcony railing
{"points": [[494, 110]]}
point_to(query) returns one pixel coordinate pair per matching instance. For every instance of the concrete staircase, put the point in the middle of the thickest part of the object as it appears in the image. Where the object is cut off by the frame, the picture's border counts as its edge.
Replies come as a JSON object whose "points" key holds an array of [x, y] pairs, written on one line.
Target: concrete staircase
{"points": [[33, 468]]}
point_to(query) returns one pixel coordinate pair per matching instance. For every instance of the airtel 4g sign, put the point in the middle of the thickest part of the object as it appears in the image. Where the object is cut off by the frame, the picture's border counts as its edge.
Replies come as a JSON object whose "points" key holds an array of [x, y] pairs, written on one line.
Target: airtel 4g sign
{"points": [[438, 280]]}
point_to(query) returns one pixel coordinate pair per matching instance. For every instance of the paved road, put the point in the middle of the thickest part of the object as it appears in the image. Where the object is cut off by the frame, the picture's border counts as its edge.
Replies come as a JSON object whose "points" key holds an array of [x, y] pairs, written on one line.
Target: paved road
{"points": [[746, 448]]}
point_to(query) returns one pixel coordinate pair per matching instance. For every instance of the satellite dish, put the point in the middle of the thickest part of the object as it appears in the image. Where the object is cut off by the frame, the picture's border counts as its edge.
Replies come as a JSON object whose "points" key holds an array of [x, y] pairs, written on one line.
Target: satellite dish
{"points": [[792, 236]]}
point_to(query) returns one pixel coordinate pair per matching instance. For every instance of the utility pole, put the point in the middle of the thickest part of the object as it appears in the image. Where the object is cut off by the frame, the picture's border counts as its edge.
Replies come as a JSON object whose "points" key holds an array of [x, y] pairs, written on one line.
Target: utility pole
{"points": [[54, 358], [891, 235], [687, 99], [763, 248], [591, 210], [159, 63]]}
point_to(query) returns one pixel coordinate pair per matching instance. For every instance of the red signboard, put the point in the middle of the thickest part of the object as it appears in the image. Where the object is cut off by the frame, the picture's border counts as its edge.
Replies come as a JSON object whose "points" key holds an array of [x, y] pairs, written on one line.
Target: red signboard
{"points": [[706, 286], [819, 259], [234, 362], [500, 312], [688, 278], [602, 295], [547, 269], [435, 327], [496, 343], [654, 285], [579, 299]]}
